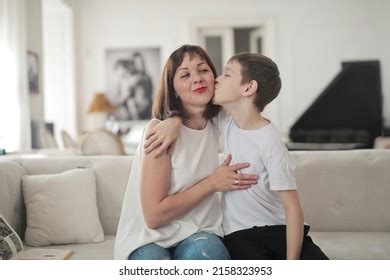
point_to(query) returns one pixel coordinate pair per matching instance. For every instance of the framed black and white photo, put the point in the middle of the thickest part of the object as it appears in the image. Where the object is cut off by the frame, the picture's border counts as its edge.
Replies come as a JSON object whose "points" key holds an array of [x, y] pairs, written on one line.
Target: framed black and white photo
{"points": [[33, 72], [132, 78]]}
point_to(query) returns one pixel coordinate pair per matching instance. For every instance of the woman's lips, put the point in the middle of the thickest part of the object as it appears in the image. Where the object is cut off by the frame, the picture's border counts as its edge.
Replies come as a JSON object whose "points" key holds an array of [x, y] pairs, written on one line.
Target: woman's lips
{"points": [[200, 90]]}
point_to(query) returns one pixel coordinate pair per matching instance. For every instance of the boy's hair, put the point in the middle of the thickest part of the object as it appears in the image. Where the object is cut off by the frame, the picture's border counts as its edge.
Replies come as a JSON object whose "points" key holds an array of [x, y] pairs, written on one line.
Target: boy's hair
{"points": [[264, 71], [165, 103]]}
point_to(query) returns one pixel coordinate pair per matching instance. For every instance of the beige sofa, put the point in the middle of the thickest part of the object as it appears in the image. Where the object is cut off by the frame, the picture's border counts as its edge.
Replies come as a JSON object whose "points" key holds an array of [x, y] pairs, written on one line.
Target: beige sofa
{"points": [[345, 196]]}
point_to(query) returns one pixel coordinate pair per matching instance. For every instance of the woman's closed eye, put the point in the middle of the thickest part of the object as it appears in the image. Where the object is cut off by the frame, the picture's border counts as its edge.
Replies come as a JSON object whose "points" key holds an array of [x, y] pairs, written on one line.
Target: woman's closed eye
{"points": [[184, 76]]}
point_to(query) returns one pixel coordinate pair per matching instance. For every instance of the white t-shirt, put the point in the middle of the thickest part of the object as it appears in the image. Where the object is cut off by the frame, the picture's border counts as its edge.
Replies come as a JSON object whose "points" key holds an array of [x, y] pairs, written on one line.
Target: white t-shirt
{"points": [[194, 158], [258, 205]]}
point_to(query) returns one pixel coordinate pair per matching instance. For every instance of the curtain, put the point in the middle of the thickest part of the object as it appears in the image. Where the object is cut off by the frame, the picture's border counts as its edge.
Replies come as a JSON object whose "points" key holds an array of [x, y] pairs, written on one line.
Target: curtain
{"points": [[58, 69], [15, 133]]}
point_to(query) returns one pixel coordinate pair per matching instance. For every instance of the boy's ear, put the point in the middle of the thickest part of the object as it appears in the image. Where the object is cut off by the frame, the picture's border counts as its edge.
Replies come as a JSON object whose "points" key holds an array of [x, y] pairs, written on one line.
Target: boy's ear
{"points": [[251, 88]]}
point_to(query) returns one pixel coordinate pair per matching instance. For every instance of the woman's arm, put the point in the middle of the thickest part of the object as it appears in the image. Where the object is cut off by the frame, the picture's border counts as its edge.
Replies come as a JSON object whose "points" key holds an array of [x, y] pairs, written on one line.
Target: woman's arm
{"points": [[159, 208], [294, 223]]}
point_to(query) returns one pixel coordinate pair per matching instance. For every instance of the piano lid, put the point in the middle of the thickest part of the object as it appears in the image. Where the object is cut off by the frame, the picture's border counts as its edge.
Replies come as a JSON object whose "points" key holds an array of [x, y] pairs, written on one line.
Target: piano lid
{"points": [[349, 110]]}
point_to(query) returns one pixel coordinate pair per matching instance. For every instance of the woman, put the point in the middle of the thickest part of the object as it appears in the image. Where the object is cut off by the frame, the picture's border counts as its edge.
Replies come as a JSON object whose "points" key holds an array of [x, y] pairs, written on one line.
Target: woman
{"points": [[171, 209]]}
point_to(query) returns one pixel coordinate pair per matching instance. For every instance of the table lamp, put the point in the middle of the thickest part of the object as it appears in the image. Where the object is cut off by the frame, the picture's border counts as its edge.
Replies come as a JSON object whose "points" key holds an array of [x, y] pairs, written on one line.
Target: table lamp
{"points": [[100, 108]]}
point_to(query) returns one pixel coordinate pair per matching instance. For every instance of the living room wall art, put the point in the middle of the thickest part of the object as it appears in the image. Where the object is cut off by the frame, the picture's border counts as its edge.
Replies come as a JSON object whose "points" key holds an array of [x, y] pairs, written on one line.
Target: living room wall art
{"points": [[132, 76], [33, 72]]}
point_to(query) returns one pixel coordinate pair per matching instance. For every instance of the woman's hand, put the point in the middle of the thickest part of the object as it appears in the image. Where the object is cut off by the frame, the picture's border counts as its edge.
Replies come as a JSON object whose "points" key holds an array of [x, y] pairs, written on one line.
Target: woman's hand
{"points": [[227, 178], [162, 136]]}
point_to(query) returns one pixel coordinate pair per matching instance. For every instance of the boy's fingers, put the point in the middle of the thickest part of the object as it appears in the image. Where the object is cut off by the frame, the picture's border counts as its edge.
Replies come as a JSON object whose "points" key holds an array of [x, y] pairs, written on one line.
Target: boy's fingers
{"points": [[161, 149], [149, 141], [152, 147], [150, 133], [147, 144]]}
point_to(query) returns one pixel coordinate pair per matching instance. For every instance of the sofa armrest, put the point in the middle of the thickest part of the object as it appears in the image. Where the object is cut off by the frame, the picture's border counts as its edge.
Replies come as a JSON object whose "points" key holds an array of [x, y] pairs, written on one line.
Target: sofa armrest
{"points": [[11, 195]]}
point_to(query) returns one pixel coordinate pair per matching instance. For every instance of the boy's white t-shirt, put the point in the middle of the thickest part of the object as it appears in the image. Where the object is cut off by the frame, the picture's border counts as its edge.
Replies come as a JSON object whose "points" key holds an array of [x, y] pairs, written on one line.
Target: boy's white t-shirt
{"points": [[263, 148]]}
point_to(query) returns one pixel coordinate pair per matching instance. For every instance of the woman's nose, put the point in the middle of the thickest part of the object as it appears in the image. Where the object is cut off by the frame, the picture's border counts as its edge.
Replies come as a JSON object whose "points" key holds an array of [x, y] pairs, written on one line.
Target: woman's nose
{"points": [[197, 78]]}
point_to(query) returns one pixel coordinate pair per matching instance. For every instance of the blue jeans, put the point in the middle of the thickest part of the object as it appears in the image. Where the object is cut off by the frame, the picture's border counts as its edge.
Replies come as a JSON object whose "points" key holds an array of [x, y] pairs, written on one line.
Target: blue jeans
{"points": [[199, 246]]}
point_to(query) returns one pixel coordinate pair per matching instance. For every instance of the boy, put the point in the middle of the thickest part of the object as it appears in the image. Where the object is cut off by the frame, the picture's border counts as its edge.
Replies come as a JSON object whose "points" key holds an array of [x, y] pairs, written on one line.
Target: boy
{"points": [[266, 220]]}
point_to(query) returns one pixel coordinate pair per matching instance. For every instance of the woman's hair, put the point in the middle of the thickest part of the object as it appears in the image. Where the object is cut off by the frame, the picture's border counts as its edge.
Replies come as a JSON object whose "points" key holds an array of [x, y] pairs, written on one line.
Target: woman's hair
{"points": [[165, 103]]}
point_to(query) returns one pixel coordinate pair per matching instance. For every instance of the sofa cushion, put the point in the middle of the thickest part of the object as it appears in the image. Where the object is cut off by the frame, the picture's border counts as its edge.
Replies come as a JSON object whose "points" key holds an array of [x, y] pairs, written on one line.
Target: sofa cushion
{"points": [[344, 190], [353, 245], [89, 251], [61, 208]]}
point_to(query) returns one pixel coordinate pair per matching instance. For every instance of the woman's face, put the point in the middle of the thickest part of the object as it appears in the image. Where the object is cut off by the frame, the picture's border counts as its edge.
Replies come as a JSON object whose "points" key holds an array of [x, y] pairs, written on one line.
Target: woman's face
{"points": [[194, 83]]}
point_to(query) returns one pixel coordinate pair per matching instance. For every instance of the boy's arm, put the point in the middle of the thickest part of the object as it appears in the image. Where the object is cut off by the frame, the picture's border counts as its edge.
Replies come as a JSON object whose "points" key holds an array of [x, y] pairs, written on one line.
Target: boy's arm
{"points": [[162, 136], [294, 223]]}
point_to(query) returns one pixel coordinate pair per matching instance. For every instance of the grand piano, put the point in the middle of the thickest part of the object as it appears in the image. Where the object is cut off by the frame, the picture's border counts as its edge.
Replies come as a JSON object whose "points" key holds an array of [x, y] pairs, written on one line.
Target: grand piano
{"points": [[346, 115]]}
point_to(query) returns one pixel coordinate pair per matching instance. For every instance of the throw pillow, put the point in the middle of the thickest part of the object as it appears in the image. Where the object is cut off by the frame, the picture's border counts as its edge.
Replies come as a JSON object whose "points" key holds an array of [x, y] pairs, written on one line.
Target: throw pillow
{"points": [[61, 208]]}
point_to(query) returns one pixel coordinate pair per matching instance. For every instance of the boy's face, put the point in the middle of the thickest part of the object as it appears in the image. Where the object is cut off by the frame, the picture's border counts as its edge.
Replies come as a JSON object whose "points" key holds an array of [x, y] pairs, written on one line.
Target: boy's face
{"points": [[228, 87]]}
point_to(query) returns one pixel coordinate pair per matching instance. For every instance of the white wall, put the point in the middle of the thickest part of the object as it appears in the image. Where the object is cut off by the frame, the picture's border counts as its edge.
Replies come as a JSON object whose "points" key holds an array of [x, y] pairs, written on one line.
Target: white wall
{"points": [[312, 39]]}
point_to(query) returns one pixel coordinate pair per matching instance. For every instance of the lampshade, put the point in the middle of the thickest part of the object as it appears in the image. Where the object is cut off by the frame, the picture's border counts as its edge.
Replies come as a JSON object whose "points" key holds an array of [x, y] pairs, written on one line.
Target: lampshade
{"points": [[100, 104]]}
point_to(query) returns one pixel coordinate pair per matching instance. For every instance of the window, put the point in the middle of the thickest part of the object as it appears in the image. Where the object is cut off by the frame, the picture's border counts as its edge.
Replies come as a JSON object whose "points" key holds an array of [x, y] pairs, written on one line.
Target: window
{"points": [[58, 52], [14, 114]]}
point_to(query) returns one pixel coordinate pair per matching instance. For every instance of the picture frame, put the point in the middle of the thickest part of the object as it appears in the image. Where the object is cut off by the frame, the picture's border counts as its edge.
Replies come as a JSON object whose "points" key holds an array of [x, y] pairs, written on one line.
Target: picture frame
{"points": [[132, 76], [33, 72]]}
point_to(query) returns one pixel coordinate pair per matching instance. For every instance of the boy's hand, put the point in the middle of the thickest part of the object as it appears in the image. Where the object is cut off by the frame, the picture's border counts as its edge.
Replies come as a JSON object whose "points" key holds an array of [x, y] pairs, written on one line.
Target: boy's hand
{"points": [[162, 136], [226, 178]]}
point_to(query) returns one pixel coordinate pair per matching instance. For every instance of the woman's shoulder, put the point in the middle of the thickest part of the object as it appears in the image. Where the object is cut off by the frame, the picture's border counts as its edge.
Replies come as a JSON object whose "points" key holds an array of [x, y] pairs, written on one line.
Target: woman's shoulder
{"points": [[148, 129]]}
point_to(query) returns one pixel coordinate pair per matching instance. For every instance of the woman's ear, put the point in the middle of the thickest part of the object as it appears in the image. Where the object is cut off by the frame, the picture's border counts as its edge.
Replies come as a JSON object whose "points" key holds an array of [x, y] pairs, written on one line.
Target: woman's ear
{"points": [[251, 88]]}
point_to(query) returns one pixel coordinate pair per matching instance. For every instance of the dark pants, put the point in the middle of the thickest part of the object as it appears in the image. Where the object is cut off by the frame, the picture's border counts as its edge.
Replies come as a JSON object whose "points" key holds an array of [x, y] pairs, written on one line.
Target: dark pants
{"points": [[268, 243]]}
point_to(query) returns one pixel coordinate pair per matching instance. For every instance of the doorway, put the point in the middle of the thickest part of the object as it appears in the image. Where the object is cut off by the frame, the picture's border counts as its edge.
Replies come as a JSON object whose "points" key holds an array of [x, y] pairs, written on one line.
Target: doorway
{"points": [[221, 40]]}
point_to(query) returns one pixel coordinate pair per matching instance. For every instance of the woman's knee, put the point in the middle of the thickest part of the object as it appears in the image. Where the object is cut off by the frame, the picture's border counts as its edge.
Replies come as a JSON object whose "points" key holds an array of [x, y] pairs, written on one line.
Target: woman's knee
{"points": [[202, 246], [150, 251]]}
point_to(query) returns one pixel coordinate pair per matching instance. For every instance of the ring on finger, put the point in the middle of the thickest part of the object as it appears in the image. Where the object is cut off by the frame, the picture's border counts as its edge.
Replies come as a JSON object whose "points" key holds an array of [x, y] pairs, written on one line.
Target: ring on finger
{"points": [[236, 182]]}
